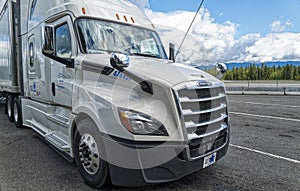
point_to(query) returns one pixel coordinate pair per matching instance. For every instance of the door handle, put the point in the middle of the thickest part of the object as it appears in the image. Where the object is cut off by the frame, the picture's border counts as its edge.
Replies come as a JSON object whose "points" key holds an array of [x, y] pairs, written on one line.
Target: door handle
{"points": [[53, 89]]}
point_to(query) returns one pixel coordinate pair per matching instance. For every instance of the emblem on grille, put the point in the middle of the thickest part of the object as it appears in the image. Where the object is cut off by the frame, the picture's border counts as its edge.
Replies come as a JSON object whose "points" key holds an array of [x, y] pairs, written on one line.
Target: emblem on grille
{"points": [[202, 83]]}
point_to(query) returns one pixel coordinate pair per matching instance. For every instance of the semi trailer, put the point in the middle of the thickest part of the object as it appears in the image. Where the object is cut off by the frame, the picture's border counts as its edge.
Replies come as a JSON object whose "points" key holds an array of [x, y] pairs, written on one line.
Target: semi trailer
{"points": [[92, 78]]}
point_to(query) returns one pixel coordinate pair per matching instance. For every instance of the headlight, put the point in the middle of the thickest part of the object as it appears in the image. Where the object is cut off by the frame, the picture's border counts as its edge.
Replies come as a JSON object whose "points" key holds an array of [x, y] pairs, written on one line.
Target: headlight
{"points": [[141, 124]]}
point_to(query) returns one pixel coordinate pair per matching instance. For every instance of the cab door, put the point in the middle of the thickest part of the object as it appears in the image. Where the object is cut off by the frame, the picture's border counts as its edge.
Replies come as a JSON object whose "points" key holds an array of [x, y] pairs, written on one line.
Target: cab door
{"points": [[60, 51], [37, 78]]}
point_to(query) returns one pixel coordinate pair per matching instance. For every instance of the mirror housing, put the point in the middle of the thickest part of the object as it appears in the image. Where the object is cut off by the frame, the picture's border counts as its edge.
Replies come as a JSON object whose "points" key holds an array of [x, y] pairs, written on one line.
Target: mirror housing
{"points": [[48, 47], [221, 70], [119, 61], [172, 52]]}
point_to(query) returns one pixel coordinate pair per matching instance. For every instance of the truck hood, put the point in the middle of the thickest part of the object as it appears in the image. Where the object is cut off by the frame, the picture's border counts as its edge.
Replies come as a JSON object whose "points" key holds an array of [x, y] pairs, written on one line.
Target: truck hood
{"points": [[172, 73], [156, 69]]}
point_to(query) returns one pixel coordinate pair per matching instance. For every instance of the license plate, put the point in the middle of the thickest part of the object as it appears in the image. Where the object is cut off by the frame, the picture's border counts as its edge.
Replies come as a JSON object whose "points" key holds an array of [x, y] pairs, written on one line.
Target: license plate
{"points": [[209, 160]]}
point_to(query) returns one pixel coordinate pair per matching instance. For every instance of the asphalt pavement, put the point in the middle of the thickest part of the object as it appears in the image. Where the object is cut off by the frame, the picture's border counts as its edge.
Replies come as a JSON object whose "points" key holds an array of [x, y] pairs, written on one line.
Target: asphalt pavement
{"points": [[264, 154]]}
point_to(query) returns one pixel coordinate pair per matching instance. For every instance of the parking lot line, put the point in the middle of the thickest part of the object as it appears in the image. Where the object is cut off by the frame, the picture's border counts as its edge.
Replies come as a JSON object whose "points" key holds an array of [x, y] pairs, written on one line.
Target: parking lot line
{"points": [[265, 104], [264, 153], [265, 116]]}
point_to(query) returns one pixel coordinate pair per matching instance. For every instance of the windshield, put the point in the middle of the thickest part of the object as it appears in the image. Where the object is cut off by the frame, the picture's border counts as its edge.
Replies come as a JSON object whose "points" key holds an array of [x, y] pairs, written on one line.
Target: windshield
{"points": [[99, 37]]}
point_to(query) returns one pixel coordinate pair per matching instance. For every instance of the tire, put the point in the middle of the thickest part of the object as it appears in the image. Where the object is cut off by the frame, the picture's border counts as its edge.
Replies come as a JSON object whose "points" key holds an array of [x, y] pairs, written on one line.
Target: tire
{"points": [[10, 108], [89, 154], [17, 112]]}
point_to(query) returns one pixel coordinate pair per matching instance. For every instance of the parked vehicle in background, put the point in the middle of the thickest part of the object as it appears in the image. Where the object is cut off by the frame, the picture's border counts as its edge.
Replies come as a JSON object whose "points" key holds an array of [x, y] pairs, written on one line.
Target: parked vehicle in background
{"points": [[93, 79]]}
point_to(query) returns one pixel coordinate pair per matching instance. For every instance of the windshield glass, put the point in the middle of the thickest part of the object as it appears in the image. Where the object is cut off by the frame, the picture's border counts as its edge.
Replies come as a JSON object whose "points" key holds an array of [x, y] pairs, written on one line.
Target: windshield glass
{"points": [[99, 37]]}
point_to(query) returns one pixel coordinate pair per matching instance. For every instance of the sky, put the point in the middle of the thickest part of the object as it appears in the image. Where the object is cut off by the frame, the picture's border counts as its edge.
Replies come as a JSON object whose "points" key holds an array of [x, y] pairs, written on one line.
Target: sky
{"points": [[252, 16], [229, 30]]}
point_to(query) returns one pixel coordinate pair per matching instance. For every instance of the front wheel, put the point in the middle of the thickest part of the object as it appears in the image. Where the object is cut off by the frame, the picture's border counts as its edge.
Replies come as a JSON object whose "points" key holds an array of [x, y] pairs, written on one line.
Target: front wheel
{"points": [[89, 154]]}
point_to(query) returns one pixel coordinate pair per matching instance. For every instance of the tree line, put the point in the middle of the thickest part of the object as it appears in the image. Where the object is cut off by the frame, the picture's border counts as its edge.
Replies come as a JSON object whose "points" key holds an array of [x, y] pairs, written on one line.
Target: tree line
{"points": [[263, 72]]}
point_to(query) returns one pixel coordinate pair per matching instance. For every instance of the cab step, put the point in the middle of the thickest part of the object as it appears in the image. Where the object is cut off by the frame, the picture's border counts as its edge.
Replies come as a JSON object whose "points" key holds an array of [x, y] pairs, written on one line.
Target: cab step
{"points": [[57, 140], [60, 120]]}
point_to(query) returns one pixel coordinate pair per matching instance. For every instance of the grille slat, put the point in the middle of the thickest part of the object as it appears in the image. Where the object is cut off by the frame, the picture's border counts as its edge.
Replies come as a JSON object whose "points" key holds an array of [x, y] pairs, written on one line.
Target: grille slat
{"points": [[187, 99], [213, 109], [192, 124]]}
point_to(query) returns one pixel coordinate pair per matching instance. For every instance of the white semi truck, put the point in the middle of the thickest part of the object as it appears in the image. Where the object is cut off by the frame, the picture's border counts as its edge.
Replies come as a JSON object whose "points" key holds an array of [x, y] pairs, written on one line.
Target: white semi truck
{"points": [[92, 78]]}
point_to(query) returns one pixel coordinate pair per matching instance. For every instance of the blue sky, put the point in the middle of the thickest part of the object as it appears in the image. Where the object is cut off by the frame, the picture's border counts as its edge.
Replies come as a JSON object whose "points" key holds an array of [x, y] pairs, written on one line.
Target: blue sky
{"points": [[252, 16], [229, 30]]}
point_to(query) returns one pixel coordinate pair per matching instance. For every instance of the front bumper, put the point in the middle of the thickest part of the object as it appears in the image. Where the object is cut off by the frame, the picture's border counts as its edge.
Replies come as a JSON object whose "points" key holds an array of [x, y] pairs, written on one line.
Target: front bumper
{"points": [[145, 163]]}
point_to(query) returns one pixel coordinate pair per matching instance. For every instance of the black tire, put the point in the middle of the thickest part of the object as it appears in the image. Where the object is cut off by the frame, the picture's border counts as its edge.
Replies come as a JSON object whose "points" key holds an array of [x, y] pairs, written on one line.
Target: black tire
{"points": [[89, 153], [17, 109], [10, 107]]}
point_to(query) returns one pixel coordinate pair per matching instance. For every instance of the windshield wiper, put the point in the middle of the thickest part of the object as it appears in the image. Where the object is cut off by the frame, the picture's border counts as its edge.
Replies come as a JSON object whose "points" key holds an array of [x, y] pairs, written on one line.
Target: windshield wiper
{"points": [[145, 55]]}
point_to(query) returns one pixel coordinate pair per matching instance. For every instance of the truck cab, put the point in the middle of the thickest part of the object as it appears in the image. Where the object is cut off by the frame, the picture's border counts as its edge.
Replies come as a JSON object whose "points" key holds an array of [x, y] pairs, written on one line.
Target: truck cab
{"points": [[97, 84]]}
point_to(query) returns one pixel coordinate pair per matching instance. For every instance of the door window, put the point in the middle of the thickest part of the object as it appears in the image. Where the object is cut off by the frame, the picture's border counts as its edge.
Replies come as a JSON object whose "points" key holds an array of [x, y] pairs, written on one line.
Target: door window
{"points": [[63, 41]]}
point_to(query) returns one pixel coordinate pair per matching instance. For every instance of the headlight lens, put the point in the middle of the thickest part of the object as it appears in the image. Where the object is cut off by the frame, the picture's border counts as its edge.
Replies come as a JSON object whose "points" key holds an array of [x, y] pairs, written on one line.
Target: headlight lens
{"points": [[141, 124]]}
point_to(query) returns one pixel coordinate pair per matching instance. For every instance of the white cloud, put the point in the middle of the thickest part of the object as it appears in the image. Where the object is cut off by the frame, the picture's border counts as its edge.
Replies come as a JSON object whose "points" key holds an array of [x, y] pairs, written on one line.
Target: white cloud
{"points": [[278, 26], [275, 47], [207, 42], [289, 23], [210, 42]]}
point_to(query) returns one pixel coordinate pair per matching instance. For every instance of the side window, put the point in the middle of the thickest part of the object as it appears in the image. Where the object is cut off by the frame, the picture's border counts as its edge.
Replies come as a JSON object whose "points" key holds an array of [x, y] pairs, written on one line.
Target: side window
{"points": [[63, 41]]}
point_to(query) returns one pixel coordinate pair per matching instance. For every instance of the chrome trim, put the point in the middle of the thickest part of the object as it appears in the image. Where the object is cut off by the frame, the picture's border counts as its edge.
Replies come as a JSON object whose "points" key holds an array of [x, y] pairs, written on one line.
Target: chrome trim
{"points": [[186, 99], [190, 112], [224, 116], [195, 136]]}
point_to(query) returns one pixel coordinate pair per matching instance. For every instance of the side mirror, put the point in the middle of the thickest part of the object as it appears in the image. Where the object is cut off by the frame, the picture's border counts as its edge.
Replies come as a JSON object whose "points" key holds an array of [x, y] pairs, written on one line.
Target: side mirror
{"points": [[119, 61], [48, 47], [221, 69], [70, 63], [172, 52]]}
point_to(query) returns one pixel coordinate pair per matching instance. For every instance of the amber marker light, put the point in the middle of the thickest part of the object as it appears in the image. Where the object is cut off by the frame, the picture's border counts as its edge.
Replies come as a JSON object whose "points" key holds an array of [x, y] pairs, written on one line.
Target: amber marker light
{"points": [[83, 10], [117, 15], [125, 18], [125, 121], [132, 20]]}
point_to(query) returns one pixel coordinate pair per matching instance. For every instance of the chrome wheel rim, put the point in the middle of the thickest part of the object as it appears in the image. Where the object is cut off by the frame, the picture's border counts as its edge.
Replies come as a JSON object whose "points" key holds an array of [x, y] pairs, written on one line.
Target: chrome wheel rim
{"points": [[9, 109], [89, 153], [16, 114]]}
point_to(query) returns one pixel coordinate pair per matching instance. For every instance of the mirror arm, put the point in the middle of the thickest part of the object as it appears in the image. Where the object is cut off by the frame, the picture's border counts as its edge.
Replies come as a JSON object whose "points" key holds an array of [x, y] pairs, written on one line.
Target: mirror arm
{"points": [[69, 62], [172, 52]]}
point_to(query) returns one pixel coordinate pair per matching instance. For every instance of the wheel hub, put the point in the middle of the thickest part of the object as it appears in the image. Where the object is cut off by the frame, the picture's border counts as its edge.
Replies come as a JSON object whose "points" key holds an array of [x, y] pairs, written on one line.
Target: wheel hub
{"points": [[89, 154], [16, 114], [9, 112]]}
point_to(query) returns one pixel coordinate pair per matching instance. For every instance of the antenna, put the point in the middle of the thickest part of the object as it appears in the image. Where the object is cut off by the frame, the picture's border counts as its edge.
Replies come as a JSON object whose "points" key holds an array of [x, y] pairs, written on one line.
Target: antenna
{"points": [[187, 32]]}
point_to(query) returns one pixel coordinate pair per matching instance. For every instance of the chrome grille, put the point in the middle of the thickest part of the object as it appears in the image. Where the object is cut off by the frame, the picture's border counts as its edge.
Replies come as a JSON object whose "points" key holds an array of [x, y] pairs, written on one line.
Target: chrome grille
{"points": [[205, 116]]}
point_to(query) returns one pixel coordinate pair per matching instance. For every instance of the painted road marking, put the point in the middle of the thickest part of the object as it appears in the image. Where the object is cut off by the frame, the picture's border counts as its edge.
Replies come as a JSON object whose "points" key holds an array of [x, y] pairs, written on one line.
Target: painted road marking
{"points": [[264, 153], [265, 116], [253, 103]]}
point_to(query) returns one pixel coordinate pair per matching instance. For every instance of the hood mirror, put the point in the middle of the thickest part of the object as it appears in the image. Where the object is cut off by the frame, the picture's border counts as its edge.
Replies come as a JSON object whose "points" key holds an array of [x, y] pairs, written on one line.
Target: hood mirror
{"points": [[119, 61], [221, 69]]}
